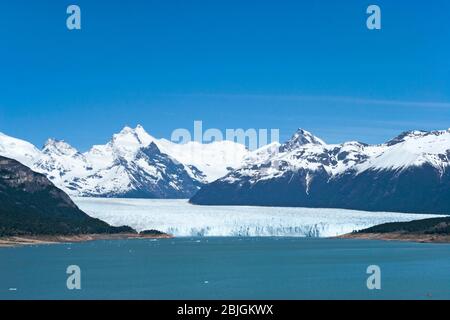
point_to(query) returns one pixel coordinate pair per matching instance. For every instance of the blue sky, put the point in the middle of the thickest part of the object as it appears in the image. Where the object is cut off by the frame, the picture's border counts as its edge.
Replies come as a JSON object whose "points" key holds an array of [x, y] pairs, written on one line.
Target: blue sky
{"points": [[230, 63]]}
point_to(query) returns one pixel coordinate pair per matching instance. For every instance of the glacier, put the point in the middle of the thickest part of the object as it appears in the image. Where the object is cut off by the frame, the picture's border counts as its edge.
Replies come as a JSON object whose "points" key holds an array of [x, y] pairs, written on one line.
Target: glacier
{"points": [[182, 219]]}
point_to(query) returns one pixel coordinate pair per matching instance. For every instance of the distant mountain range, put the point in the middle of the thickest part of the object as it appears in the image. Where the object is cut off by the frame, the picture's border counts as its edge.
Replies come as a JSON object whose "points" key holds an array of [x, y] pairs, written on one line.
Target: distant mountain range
{"points": [[133, 164], [407, 174], [31, 205]]}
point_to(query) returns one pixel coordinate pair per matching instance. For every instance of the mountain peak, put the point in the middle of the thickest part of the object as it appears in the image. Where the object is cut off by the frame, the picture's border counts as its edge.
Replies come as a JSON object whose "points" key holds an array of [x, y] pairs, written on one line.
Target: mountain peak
{"points": [[54, 142], [128, 141], [126, 130], [143, 134], [59, 147], [303, 136], [300, 138], [137, 133]]}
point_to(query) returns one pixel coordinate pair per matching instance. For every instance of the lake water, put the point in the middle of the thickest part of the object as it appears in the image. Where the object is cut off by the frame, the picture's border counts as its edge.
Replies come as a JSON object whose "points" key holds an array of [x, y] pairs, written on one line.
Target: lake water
{"points": [[181, 219], [227, 268], [217, 256]]}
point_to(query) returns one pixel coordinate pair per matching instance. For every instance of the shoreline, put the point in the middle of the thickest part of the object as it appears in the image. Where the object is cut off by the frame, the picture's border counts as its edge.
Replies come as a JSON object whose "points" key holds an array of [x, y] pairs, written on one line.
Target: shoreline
{"points": [[399, 236], [19, 241]]}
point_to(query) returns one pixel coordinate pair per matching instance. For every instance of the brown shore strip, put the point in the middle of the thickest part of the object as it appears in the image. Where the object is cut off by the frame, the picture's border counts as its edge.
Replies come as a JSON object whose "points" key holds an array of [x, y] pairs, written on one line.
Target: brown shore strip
{"points": [[399, 236], [40, 240]]}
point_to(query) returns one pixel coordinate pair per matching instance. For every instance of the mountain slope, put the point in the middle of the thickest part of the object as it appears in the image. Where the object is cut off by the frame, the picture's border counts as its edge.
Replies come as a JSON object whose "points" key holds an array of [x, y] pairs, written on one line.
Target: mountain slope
{"points": [[17, 149], [407, 174], [439, 226], [32, 205], [150, 174]]}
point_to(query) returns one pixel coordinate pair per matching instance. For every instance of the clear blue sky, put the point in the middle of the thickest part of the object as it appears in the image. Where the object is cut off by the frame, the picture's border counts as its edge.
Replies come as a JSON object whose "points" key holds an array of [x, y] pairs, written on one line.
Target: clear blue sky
{"points": [[230, 63]]}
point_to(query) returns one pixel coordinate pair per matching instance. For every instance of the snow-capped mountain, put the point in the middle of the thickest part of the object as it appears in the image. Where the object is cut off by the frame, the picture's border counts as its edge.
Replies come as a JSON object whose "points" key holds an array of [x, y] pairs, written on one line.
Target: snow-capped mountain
{"points": [[408, 174], [19, 150], [132, 164]]}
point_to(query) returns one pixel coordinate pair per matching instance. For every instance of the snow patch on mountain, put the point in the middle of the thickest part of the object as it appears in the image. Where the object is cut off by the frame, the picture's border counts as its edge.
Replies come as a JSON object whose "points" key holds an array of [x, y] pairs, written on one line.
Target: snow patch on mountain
{"points": [[414, 148], [214, 160], [19, 150]]}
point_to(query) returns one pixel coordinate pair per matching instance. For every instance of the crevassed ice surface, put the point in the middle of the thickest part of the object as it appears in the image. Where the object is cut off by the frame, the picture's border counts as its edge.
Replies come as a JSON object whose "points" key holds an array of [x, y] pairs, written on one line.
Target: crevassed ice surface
{"points": [[182, 219]]}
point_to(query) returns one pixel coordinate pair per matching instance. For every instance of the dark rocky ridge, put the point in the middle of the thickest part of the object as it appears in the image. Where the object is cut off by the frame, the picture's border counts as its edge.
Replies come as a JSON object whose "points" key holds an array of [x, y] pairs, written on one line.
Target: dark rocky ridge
{"points": [[415, 190], [434, 226], [435, 230], [32, 205]]}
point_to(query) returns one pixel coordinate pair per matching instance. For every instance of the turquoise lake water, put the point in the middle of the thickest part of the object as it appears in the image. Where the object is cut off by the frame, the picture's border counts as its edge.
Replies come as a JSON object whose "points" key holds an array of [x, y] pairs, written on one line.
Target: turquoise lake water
{"points": [[227, 268]]}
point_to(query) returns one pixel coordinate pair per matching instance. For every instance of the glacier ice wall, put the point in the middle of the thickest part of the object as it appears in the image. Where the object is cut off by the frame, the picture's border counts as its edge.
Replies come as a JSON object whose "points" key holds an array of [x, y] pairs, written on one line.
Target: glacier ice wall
{"points": [[181, 219]]}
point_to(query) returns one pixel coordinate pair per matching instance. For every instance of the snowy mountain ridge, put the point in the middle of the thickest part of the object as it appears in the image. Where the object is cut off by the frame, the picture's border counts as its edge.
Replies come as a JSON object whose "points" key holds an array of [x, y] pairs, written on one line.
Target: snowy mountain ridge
{"points": [[406, 174], [304, 151], [132, 164]]}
